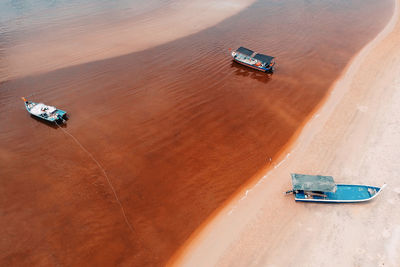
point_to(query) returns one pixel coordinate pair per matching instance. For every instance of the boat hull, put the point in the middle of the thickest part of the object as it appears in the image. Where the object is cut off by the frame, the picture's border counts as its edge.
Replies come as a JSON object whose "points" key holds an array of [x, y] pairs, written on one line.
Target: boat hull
{"points": [[60, 118], [344, 194], [270, 69]]}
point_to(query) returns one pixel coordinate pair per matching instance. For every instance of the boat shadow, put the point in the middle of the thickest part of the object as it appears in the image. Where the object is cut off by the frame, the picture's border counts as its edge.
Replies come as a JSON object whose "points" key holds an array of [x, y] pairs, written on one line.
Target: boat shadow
{"points": [[312, 205], [257, 75], [50, 124]]}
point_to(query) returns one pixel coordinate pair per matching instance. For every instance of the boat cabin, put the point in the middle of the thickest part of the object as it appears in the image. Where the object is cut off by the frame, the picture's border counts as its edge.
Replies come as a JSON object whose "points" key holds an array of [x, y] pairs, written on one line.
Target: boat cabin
{"points": [[313, 183], [319, 188]]}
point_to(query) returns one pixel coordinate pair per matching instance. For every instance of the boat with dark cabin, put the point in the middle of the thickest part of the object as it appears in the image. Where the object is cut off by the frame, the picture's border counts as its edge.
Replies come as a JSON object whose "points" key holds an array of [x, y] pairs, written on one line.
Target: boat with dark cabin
{"points": [[45, 112], [254, 60], [323, 189]]}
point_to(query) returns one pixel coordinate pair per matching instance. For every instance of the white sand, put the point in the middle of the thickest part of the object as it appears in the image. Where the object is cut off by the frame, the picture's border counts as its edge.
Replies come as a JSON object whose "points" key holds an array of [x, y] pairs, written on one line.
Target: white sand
{"points": [[73, 46], [355, 137]]}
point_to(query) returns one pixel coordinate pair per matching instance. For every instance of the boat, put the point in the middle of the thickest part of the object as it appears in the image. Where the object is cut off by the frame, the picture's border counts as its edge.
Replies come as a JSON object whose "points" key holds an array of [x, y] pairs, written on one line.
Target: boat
{"points": [[323, 189], [45, 112], [254, 60]]}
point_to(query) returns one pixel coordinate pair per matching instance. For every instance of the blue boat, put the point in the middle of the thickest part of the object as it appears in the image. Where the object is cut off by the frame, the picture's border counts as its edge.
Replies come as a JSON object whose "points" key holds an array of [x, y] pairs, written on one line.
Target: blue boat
{"points": [[45, 112], [254, 60], [323, 189]]}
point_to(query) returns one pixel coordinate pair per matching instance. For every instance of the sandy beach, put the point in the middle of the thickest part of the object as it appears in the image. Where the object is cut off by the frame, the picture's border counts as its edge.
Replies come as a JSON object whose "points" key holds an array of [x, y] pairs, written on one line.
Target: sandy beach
{"points": [[355, 137]]}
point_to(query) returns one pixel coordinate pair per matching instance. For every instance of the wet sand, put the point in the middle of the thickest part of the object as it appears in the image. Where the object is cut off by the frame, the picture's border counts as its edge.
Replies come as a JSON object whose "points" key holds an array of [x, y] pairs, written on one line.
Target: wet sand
{"points": [[355, 138], [177, 128]]}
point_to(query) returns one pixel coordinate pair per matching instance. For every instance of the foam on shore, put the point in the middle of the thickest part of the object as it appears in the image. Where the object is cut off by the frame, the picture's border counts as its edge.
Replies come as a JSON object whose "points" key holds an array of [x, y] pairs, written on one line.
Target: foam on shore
{"points": [[343, 139]]}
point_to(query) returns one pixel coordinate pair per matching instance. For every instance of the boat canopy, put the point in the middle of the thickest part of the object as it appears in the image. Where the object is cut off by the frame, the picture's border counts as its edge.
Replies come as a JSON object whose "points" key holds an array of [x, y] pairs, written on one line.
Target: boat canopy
{"points": [[263, 58], [244, 51], [313, 183], [41, 108]]}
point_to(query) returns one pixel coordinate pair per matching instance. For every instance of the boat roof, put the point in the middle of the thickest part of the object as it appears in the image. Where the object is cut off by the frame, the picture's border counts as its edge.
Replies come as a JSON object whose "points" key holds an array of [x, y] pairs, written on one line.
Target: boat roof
{"points": [[263, 58], [245, 51], [313, 182]]}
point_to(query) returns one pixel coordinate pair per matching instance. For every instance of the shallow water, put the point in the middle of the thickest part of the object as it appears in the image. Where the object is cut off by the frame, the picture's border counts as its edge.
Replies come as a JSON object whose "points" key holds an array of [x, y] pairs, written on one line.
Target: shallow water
{"points": [[35, 28], [177, 128]]}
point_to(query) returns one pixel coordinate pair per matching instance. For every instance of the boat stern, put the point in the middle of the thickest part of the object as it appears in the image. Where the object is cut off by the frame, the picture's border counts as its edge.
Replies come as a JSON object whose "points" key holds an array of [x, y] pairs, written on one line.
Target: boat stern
{"points": [[271, 67], [61, 115]]}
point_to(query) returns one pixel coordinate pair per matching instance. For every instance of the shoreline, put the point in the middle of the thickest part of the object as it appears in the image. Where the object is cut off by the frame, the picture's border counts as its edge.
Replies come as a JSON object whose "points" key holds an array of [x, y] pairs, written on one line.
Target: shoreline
{"points": [[176, 138], [75, 45], [224, 223]]}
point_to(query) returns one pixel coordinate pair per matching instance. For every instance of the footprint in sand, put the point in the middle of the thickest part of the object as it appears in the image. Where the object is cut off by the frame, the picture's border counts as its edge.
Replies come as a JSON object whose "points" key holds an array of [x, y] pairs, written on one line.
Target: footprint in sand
{"points": [[362, 108], [386, 234], [391, 201]]}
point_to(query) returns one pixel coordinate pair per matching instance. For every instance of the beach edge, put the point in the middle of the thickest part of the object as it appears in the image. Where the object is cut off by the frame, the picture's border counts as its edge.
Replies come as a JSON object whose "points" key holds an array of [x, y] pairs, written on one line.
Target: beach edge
{"points": [[194, 250]]}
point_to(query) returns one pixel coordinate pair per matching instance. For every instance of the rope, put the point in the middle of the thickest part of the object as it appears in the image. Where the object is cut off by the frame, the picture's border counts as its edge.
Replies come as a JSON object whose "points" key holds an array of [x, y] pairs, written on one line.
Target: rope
{"points": [[105, 175]]}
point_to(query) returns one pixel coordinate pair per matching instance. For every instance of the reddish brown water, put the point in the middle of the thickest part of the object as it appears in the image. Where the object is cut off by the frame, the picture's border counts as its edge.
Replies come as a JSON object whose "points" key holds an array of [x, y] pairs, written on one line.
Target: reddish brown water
{"points": [[178, 129]]}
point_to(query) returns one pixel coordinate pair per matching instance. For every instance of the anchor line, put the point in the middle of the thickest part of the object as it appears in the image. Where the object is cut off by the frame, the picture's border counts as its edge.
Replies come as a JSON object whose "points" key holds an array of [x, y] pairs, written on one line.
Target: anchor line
{"points": [[105, 175]]}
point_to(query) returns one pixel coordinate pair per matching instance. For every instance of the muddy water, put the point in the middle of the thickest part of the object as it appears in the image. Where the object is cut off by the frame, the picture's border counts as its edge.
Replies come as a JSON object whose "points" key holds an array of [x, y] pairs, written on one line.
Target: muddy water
{"points": [[177, 129]]}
